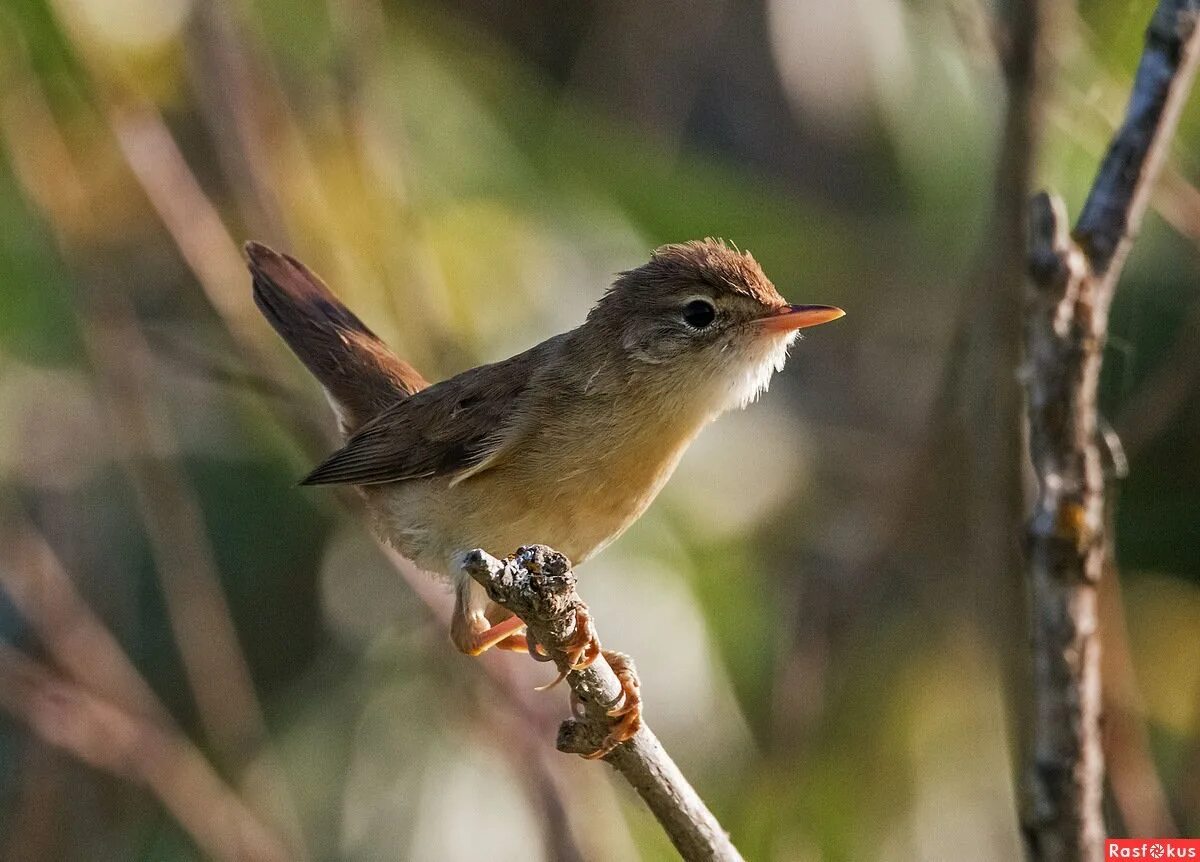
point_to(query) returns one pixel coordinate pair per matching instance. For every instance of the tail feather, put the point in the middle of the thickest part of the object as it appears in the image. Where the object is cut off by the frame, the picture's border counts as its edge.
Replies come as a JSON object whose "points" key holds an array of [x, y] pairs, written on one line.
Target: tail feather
{"points": [[360, 374]]}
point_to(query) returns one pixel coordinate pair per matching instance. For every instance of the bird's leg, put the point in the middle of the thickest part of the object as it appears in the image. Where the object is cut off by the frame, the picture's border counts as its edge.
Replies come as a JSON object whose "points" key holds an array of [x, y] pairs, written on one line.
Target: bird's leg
{"points": [[627, 711], [471, 629], [475, 635], [516, 642], [479, 624]]}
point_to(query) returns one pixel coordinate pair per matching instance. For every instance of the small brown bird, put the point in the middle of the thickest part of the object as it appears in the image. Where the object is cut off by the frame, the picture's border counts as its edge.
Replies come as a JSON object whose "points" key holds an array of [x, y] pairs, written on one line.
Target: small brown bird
{"points": [[565, 444]]}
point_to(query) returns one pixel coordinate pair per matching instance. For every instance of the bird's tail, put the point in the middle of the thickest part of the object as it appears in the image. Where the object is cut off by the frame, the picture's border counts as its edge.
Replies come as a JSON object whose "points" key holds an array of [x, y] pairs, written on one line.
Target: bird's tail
{"points": [[360, 374]]}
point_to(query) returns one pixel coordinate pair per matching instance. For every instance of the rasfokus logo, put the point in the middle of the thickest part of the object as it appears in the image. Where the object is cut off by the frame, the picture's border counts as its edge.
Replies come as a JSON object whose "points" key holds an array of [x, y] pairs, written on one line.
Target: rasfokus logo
{"points": [[1152, 848]]}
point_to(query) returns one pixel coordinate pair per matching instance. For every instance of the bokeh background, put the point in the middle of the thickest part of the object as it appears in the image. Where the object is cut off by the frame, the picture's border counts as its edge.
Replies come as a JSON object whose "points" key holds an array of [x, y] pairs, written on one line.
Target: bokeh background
{"points": [[182, 628]]}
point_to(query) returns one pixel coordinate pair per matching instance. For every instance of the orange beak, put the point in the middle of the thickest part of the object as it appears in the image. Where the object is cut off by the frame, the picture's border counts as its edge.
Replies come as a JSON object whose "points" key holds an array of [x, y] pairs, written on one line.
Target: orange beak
{"points": [[789, 317]]}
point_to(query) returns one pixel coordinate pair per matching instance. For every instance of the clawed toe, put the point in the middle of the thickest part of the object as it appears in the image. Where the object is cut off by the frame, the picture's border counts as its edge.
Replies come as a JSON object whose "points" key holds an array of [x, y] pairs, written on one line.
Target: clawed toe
{"points": [[583, 648], [547, 686], [628, 710], [579, 651], [536, 651]]}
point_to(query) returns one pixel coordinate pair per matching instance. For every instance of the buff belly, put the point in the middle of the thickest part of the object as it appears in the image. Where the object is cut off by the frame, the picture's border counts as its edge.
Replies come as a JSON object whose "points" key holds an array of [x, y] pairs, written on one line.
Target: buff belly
{"points": [[434, 523]]}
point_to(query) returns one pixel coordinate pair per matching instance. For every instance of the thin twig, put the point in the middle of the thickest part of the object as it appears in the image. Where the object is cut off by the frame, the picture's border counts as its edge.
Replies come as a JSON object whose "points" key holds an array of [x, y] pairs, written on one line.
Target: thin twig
{"points": [[1121, 191], [81, 645], [137, 748], [1146, 413], [537, 585], [39, 587], [1073, 281], [201, 620]]}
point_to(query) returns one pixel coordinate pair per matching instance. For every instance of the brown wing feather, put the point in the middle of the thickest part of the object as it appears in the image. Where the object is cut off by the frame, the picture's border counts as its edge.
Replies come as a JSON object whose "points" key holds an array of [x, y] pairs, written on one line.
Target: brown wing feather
{"points": [[446, 430]]}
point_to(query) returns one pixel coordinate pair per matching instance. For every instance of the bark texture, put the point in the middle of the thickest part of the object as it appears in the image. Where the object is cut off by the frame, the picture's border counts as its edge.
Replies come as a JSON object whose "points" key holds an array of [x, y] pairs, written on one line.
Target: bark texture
{"points": [[1073, 277], [537, 585]]}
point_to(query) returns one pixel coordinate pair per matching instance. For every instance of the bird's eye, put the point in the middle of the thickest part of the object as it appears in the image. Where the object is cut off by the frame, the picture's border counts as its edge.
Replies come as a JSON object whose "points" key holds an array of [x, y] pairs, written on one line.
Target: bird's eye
{"points": [[699, 313]]}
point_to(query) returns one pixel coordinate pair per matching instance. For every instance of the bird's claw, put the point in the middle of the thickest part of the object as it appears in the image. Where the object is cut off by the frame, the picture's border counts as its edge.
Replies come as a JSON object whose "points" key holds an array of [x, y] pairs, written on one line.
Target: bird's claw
{"points": [[537, 652], [627, 711], [583, 648], [580, 650]]}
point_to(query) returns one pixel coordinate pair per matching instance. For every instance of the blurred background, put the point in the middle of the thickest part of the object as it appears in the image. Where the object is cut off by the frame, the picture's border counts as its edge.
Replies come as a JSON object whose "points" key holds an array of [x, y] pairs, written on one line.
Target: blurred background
{"points": [[190, 644]]}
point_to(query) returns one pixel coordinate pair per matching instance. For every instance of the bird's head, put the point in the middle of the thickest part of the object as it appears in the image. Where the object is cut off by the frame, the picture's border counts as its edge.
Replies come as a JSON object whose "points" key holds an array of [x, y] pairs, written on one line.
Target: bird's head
{"points": [[705, 319]]}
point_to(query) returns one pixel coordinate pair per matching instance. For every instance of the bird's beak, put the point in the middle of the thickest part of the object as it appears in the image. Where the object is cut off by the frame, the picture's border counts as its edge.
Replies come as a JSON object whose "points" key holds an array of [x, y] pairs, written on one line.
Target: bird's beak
{"points": [[789, 317]]}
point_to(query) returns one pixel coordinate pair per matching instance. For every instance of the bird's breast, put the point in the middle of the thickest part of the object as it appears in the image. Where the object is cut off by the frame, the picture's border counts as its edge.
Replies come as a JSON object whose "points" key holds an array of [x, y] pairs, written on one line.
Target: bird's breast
{"points": [[581, 488], [575, 482]]}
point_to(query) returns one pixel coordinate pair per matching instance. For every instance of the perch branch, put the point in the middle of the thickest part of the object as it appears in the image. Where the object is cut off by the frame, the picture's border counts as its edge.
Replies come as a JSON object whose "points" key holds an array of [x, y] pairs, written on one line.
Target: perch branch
{"points": [[1073, 278], [538, 586]]}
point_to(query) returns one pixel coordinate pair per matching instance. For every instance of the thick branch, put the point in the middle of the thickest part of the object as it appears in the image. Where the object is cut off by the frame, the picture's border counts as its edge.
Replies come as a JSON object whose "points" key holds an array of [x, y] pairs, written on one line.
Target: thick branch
{"points": [[1062, 816], [1073, 280], [538, 586]]}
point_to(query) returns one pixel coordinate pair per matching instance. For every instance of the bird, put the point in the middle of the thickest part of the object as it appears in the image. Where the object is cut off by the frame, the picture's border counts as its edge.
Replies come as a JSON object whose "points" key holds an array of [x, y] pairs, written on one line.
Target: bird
{"points": [[565, 444]]}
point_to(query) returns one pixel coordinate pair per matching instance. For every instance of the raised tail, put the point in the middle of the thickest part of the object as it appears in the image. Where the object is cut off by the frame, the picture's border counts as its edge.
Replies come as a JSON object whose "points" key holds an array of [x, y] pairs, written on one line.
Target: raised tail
{"points": [[360, 374]]}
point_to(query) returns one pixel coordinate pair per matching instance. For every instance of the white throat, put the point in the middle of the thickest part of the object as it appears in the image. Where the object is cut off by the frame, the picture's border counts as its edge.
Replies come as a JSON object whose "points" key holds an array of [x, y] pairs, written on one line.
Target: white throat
{"points": [[748, 376]]}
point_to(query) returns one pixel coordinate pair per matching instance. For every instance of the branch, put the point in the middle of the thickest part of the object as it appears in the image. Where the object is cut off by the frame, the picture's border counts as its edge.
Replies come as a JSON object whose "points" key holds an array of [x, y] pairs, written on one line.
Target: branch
{"points": [[130, 746], [105, 706], [1073, 281], [1121, 191], [538, 586]]}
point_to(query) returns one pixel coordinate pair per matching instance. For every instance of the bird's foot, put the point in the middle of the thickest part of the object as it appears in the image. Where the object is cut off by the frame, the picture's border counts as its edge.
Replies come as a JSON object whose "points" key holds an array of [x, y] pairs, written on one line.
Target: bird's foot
{"points": [[627, 711], [506, 634], [583, 647], [525, 643], [580, 649]]}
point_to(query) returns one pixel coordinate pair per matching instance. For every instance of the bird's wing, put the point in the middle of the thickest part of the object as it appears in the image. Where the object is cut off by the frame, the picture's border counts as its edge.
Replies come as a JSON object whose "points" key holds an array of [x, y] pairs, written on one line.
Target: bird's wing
{"points": [[455, 428]]}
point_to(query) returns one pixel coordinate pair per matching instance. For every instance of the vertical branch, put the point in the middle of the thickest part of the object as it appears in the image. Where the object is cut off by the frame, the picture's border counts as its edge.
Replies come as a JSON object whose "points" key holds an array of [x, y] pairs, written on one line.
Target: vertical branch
{"points": [[982, 381], [1064, 782], [994, 401], [1073, 278]]}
